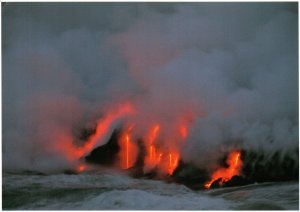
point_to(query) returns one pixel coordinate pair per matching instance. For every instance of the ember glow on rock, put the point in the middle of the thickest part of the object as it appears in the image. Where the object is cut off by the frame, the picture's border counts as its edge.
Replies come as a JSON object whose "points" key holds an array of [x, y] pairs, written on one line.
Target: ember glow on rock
{"points": [[105, 123], [73, 152], [173, 162], [153, 156], [129, 151], [77, 82], [157, 157], [81, 168], [162, 159], [225, 174]]}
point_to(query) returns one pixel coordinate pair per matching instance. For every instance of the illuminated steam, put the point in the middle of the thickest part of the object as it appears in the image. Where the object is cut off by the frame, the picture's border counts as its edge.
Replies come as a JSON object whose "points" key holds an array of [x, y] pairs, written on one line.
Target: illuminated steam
{"points": [[214, 76]]}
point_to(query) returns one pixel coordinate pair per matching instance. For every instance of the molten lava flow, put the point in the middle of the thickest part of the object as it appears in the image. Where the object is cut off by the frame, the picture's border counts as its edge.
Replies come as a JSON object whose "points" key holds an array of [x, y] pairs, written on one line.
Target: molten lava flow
{"points": [[153, 134], [104, 124], [173, 162], [225, 174], [153, 156], [164, 160], [128, 152], [74, 152]]}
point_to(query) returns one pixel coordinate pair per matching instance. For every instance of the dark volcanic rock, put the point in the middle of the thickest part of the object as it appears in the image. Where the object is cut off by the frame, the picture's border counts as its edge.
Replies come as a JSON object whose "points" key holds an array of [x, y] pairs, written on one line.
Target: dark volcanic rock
{"points": [[263, 167], [137, 169], [216, 183], [237, 181], [257, 166], [190, 175], [107, 153]]}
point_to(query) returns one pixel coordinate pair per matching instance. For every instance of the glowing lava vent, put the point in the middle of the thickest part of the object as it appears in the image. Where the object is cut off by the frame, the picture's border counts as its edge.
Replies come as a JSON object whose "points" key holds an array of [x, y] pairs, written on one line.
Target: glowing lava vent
{"points": [[225, 174]]}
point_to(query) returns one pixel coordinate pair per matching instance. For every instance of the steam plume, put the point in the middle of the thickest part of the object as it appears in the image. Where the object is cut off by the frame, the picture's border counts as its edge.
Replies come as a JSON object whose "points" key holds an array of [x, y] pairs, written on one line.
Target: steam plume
{"points": [[227, 71]]}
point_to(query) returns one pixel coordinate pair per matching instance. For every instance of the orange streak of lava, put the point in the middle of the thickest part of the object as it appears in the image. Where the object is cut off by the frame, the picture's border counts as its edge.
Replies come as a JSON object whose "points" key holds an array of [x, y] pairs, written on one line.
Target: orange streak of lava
{"points": [[173, 162], [102, 128], [151, 158], [226, 174], [129, 150]]}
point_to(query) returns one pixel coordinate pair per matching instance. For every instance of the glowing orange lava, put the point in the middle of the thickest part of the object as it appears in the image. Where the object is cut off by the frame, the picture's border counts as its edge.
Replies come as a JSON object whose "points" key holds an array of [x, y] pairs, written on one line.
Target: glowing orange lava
{"points": [[104, 124], [153, 156], [73, 152], [128, 152], [225, 174], [162, 156], [173, 162], [165, 160]]}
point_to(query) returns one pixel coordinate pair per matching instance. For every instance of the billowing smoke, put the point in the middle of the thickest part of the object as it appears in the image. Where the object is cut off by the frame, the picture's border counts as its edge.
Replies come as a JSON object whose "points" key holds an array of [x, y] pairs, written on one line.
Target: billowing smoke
{"points": [[225, 72]]}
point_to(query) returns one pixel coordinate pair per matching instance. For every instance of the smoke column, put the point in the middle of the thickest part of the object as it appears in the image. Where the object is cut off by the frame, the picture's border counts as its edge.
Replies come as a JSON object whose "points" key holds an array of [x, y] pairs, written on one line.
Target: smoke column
{"points": [[226, 74]]}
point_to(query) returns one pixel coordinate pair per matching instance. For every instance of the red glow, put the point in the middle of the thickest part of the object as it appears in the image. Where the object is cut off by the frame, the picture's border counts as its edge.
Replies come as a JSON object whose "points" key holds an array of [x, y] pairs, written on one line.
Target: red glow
{"points": [[165, 160], [153, 133], [81, 168], [173, 162], [153, 156], [72, 152], [183, 132], [129, 150], [104, 124], [226, 174], [160, 154]]}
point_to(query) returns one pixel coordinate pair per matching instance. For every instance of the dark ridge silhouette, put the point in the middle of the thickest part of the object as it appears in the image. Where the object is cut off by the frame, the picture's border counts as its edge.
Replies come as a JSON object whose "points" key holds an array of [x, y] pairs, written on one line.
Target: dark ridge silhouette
{"points": [[106, 154], [190, 175], [257, 166], [237, 181], [137, 169], [262, 167]]}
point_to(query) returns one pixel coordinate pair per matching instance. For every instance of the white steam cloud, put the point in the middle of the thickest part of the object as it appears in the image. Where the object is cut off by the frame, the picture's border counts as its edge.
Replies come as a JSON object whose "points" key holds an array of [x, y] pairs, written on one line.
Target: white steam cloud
{"points": [[231, 68]]}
